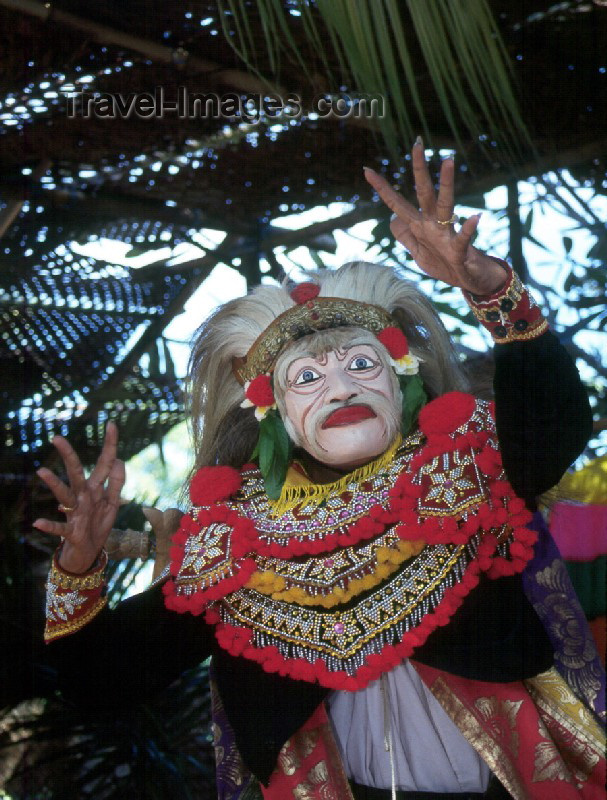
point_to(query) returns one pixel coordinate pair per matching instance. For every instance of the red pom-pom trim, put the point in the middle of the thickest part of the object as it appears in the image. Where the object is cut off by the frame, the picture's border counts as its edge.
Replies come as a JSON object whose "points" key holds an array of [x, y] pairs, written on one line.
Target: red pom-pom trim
{"points": [[198, 601], [304, 292], [501, 508], [259, 391], [447, 413], [238, 641], [212, 484], [231, 575], [395, 341], [365, 528]]}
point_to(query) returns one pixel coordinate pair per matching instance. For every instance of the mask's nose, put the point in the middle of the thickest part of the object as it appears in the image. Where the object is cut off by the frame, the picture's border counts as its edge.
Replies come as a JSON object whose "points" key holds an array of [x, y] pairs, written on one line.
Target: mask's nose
{"points": [[340, 386]]}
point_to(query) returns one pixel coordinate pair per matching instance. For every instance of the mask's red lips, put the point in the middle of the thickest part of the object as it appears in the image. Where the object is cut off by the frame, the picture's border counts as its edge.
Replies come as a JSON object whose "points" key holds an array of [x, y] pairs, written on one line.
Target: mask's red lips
{"points": [[349, 415]]}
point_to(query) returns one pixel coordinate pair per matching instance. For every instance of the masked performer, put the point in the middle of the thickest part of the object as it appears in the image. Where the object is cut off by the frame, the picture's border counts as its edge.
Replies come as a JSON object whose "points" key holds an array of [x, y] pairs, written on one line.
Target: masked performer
{"points": [[353, 553]]}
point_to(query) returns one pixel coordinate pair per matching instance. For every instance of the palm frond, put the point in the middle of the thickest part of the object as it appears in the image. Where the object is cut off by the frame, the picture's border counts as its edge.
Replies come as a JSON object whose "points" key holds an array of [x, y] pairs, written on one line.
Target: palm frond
{"points": [[373, 43]]}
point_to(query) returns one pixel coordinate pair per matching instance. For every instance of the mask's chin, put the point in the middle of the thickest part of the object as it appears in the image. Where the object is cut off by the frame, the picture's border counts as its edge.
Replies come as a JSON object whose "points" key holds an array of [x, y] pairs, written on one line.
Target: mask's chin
{"points": [[345, 447]]}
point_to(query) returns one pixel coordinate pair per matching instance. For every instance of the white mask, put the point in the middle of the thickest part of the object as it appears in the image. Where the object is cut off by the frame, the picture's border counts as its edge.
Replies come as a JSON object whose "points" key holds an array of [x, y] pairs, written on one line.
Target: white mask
{"points": [[341, 407]]}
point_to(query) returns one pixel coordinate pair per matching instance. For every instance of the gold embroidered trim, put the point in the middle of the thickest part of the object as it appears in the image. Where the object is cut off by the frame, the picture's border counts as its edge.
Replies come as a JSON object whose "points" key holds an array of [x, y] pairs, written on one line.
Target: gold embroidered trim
{"points": [[388, 561], [73, 625], [307, 523], [316, 493], [540, 327], [394, 607], [317, 314], [92, 579], [552, 694], [498, 308], [333, 516], [496, 758]]}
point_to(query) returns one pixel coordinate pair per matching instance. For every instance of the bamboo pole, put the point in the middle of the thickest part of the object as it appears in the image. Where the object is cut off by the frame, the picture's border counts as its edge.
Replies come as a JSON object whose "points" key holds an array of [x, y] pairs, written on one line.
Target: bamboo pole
{"points": [[234, 78]]}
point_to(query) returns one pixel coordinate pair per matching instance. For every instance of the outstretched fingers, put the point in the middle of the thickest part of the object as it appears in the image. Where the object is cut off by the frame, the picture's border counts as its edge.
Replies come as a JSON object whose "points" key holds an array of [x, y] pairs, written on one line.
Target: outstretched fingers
{"points": [[424, 188], [461, 242], [63, 494], [73, 465], [402, 232], [395, 201], [445, 201], [431, 206], [49, 526], [106, 459], [115, 483], [79, 516]]}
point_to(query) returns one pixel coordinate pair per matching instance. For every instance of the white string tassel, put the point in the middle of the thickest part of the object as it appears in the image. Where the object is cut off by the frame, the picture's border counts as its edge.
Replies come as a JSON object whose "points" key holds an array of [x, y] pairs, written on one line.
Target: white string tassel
{"points": [[388, 731]]}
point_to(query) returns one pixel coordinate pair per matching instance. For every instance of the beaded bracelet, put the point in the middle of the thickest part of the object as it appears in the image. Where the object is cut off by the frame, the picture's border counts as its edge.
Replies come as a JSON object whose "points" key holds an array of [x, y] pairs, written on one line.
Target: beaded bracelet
{"points": [[510, 314], [91, 579]]}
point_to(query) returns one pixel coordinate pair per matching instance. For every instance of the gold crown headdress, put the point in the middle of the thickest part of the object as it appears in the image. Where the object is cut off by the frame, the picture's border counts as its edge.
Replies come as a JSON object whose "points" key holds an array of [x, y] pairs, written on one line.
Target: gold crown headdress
{"points": [[310, 314]]}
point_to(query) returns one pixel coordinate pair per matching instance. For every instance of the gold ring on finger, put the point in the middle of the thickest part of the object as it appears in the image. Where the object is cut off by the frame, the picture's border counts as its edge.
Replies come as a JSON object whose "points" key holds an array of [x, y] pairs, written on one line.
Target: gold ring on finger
{"points": [[65, 509], [451, 221]]}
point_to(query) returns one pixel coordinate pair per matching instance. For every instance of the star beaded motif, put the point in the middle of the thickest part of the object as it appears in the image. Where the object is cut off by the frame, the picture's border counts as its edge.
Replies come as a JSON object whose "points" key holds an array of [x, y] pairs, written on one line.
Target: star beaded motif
{"points": [[73, 600], [61, 604], [203, 551], [456, 483]]}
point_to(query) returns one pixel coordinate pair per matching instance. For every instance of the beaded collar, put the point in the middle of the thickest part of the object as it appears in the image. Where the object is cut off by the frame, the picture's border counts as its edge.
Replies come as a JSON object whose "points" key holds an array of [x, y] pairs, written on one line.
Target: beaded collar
{"points": [[339, 593], [309, 521]]}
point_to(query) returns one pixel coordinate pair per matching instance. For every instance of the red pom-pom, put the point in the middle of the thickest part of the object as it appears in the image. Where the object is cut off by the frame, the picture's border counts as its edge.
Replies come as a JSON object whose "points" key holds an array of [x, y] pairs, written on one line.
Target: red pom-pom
{"points": [[303, 292], [259, 391], [211, 484], [395, 341], [446, 413]]}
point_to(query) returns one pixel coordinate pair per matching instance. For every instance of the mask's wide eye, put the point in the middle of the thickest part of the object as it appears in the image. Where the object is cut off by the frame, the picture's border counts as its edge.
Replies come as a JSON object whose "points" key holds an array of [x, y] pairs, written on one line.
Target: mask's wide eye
{"points": [[307, 375], [360, 363]]}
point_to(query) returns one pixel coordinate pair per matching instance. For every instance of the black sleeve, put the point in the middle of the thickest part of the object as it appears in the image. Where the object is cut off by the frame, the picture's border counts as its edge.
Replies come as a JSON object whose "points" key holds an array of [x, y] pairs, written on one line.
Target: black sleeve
{"points": [[542, 413], [123, 657]]}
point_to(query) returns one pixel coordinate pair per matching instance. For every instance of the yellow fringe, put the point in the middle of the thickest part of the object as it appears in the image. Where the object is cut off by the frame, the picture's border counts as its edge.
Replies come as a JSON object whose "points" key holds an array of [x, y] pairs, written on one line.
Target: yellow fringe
{"points": [[295, 493], [388, 561]]}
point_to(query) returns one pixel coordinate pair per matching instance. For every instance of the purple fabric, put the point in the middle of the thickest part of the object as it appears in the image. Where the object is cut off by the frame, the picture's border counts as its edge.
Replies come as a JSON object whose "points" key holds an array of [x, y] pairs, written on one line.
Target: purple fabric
{"points": [[234, 781], [549, 589], [566, 522]]}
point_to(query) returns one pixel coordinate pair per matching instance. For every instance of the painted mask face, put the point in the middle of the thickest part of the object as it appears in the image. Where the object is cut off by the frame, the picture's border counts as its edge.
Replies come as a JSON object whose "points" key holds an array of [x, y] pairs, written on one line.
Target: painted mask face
{"points": [[341, 407]]}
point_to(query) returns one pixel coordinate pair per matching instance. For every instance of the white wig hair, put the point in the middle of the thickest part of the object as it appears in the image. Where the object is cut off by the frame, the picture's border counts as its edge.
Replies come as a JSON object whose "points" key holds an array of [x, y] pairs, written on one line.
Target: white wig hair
{"points": [[224, 433]]}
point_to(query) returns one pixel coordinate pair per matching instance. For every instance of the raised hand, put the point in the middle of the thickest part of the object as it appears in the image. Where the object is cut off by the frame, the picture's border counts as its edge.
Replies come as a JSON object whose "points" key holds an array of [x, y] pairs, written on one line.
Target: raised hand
{"points": [[89, 504], [428, 232]]}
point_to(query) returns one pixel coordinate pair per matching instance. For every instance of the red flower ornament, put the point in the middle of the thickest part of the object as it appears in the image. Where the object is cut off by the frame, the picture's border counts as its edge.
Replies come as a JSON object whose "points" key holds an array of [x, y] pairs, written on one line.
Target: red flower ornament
{"points": [[304, 292], [395, 342], [259, 393]]}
